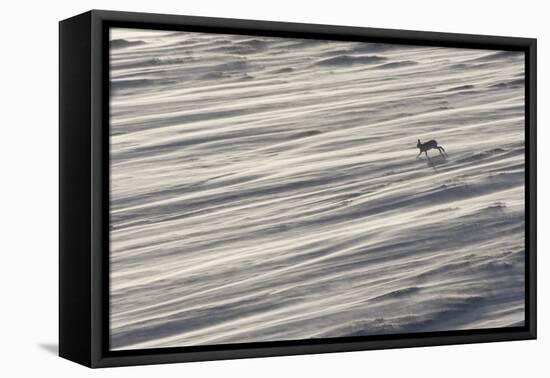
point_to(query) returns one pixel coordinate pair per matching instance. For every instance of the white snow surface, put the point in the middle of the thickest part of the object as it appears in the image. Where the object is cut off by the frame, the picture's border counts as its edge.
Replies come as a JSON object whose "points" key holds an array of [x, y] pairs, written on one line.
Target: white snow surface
{"points": [[267, 189]]}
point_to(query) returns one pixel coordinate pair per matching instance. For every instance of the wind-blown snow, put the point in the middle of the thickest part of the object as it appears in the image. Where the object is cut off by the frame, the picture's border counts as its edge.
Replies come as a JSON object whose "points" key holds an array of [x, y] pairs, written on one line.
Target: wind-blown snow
{"points": [[268, 189]]}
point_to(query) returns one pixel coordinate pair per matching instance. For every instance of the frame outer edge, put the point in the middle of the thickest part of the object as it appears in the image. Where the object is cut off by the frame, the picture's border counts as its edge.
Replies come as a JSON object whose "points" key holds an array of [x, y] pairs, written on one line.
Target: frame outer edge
{"points": [[407, 36], [98, 162], [99, 166], [532, 52], [74, 194]]}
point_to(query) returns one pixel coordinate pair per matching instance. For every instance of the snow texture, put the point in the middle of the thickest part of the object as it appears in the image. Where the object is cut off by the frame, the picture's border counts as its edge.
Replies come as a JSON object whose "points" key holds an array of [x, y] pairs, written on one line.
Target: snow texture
{"points": [[268, 189]]}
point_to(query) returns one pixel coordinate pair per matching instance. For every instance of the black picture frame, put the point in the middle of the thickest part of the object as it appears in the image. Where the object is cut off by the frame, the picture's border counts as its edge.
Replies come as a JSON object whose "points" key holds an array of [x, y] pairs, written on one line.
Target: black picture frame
{"points": [[84, 191]]}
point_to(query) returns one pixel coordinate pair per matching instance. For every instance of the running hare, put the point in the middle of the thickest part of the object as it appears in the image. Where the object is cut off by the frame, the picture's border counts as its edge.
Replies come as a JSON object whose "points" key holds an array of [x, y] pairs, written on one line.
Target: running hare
{"points": [[424, 147]]}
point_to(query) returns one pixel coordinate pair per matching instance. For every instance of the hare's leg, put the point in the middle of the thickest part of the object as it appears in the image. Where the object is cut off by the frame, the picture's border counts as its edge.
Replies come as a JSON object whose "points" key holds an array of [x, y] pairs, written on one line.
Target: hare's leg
{"points": [[445, 152], [441, 152], [420, 153]]}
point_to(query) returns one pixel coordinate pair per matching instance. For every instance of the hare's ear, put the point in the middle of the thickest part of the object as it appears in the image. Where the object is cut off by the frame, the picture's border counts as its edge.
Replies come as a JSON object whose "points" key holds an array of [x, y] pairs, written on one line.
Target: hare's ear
{"points": [[418, 140]]}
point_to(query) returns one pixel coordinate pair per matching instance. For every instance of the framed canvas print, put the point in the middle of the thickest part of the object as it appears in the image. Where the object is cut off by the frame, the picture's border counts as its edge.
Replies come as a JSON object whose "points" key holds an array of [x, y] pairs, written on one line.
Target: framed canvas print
{"points": [[234, 188]]}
